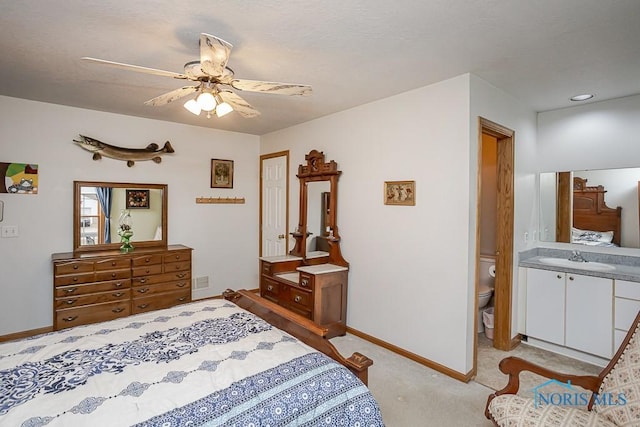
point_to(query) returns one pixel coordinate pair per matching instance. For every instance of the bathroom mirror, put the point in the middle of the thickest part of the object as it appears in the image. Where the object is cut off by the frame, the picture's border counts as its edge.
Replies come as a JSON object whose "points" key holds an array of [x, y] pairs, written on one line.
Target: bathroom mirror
{"points": [[99, 206], [622, 190], [317, 238]]}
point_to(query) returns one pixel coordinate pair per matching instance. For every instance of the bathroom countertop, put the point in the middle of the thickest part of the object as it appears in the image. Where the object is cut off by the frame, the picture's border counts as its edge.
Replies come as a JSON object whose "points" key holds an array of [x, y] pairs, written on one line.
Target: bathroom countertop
{"points": [[626, 267]]}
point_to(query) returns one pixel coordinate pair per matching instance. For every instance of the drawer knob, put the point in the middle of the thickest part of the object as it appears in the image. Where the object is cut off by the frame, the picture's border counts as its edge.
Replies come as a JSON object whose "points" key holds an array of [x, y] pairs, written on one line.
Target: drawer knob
{"points": [[147, 260], [70, 291], [70, 301], [143, 306], [559, 276], [143, 290], [181, 284], [118, 294], [70, 318], [113, 263], [298, 298], [304, 283], [75, 267], [118, 285], [75, 279], [118, 310], [113, 274], [270, 287], [182, 299], [143, 280], [570, 277], [181, 275]]}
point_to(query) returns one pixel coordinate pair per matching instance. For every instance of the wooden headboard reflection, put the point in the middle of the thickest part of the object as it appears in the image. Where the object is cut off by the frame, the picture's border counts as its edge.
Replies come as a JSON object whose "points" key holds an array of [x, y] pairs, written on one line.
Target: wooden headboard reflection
{"points": [[590, 211]]}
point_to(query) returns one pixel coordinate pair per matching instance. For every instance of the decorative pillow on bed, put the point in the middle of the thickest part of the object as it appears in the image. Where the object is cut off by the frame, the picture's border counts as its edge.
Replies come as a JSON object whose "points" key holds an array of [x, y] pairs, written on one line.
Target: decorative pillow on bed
{"points": [[585, 236]]}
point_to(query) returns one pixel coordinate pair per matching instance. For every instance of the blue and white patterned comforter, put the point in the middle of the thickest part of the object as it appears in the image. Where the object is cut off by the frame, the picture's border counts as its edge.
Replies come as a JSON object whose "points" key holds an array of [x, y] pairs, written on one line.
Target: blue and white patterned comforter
{"points": [[203, 364]]}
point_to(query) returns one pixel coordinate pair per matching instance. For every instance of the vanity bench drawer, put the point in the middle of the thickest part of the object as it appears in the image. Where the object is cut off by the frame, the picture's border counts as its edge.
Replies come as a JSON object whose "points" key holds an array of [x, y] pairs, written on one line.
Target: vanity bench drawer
{"points": [[271, 289], [301, 299], [306, 281]]}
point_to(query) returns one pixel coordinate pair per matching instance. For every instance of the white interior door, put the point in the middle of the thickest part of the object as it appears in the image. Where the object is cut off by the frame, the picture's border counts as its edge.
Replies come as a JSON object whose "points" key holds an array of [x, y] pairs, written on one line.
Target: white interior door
{"points": [[274, 205]]}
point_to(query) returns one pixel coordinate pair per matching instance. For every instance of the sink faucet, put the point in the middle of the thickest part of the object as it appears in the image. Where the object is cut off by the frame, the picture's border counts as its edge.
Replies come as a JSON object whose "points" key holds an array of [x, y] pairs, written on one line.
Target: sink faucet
{"points": [[577, 257]]}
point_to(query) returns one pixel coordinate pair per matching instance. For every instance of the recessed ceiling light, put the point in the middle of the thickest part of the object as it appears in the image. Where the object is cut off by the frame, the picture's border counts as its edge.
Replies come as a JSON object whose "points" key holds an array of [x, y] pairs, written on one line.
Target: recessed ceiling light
{"points": [[582, 97]]}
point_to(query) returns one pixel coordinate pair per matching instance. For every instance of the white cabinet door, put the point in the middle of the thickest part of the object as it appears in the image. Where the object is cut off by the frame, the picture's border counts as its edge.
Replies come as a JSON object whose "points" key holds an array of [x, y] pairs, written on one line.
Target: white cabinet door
{"points": [[545, 305], [589, 314]]}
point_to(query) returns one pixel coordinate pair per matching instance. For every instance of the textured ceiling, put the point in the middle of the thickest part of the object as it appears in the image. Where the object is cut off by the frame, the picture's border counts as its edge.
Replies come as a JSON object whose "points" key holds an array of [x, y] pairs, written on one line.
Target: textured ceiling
{"points": [[351, 52]]}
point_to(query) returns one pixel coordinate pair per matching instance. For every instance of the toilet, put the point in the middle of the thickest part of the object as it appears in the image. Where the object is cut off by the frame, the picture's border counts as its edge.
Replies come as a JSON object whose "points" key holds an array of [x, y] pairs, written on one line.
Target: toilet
{"points": [[487, 273]]}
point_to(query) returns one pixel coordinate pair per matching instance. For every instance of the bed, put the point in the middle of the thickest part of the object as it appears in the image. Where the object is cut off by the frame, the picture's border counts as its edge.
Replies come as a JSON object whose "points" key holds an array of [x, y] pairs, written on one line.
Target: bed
{"points": [[594, 223], [210, 362]]}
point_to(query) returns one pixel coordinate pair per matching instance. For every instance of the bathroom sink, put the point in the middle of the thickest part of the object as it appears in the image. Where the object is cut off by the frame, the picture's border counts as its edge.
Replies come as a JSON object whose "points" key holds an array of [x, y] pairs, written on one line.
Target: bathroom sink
{"points": [[562, 262]]}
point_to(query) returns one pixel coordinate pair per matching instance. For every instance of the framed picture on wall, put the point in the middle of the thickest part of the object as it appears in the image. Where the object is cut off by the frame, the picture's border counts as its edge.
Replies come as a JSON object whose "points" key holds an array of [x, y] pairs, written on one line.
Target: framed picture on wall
{"points": [[137, 199], [221, 173], [401, 193]]}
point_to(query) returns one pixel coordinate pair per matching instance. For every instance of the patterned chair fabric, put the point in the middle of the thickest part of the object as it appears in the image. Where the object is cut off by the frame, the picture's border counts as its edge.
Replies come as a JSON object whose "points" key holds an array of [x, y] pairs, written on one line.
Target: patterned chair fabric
{"points": [[623, 379]]}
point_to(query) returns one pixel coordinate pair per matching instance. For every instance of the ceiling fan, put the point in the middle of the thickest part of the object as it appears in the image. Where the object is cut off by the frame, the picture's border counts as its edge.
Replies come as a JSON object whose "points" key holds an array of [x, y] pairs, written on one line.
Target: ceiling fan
{"points": [[213, 78]]}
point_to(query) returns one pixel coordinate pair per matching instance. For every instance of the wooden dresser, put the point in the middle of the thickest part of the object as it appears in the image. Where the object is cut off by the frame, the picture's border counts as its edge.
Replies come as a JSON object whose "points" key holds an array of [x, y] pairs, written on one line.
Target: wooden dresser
{"points": [[317, 292], [97, 286]]}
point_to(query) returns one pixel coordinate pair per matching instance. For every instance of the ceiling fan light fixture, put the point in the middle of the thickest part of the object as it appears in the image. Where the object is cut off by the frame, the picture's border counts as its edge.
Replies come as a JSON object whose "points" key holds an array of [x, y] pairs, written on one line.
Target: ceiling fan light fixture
{"points": [[193, 107], [223, 107], [206, 101]]}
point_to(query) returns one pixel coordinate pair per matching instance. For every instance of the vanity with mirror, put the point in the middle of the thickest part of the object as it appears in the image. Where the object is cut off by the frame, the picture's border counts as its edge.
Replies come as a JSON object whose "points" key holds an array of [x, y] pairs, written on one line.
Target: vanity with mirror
{"points": [[102, 279], [312, 279]]}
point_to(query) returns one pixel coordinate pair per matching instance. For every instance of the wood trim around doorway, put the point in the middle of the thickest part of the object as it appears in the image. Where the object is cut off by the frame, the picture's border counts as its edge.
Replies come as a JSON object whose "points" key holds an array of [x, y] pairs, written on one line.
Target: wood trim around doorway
{"points": [[503, 291], [262, 158]]}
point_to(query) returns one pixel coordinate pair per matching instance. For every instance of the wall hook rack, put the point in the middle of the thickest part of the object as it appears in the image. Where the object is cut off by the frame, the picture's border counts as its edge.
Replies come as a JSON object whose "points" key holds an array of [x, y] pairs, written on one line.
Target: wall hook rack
{"points": [[221, 200]]}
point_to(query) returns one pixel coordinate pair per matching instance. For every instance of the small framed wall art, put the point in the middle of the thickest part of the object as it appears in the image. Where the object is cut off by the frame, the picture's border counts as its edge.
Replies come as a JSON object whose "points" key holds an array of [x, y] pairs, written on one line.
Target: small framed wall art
{"points": [[221, 173], [401, 193], [137, 199]]}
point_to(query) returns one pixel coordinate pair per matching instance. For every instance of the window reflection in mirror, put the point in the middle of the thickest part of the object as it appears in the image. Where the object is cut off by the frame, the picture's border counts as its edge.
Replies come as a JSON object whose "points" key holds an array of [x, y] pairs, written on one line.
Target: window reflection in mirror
{"points": [[317, 198], [100, 208], [622, 189]]}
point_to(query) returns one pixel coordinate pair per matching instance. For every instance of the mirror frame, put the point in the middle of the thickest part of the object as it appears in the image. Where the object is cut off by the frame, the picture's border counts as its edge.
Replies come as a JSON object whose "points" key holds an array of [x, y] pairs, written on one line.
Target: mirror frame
{"points": [[77, 185], [316, 170]]}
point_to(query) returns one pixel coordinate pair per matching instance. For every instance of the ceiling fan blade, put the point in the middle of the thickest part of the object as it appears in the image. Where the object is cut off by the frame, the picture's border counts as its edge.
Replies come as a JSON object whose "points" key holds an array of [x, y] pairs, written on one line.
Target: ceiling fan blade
{"points": [[240, 105], [136, 68], [214, 54], [169, 97], [272, 87]]}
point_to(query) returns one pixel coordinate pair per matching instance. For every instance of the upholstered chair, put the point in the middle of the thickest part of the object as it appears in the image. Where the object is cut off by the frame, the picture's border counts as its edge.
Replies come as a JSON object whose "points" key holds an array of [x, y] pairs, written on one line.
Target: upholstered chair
{"points": [[614, 399]]}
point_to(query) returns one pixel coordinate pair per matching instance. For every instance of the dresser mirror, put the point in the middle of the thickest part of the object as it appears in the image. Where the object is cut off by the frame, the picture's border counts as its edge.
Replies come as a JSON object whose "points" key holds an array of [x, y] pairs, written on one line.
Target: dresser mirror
{"points": [[621, 189], [99, 208], [317, 236]]}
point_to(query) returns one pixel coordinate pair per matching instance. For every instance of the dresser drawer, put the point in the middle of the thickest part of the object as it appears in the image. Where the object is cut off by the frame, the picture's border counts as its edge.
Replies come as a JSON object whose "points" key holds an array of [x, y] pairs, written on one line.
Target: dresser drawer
{"points": [[90, 288], [137, 261], [71, 279], [113, 264], [113, 275], [266, 268], [72, 267], [97, 298], [177, 266], [156, 302], [91, 314], [271, 289], [160, 288], [300, 299], [161, 278], [177, 256], [147, 269], [306, 281]]}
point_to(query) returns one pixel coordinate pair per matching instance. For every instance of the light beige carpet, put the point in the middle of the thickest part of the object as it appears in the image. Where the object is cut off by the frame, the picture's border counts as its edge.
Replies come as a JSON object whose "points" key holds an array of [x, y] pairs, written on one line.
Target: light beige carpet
{"points": [[489, 375]]}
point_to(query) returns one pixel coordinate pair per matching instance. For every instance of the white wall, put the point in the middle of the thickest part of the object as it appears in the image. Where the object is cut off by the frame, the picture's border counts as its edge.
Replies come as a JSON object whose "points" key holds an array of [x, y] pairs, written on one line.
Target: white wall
{"points": [[224, 237], [493, 104], [601, 135], [411, 281]]}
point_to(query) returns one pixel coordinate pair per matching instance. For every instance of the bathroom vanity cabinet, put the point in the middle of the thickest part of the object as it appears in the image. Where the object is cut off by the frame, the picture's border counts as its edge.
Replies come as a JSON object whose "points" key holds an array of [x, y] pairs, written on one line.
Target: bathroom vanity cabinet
{"points": [[571, 310]]}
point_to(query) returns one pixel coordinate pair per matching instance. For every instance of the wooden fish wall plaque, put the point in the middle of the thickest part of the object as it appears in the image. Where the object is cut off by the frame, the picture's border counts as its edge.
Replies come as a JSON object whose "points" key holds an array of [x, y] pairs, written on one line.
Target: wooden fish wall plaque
{"points": [[130, 155]]}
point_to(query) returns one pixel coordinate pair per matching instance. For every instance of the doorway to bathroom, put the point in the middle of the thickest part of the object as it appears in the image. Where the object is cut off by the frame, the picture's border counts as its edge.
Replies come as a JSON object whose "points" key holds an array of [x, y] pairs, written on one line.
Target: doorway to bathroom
{"points": [[494, 229]]}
